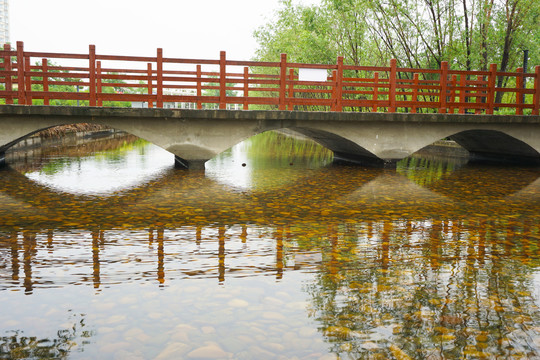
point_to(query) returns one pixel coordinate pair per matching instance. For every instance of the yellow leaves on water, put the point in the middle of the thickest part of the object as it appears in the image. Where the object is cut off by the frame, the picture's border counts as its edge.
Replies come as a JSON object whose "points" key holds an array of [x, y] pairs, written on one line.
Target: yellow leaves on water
{"points": [[451, 320], [434, 301], [482, 337], [341, 194], [340, 332], [398, 353], [473, 351], [443, 330]]}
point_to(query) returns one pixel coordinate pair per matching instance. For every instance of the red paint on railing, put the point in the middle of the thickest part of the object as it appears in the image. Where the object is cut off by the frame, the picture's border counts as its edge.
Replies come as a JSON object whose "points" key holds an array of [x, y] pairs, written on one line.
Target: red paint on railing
{"points": [[536, 101], [20, 73], [155, 81]]}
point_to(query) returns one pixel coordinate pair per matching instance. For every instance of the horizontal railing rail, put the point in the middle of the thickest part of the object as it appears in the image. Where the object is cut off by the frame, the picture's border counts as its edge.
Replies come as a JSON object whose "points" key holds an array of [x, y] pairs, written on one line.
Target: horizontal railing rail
{"points": [[33, 78]]}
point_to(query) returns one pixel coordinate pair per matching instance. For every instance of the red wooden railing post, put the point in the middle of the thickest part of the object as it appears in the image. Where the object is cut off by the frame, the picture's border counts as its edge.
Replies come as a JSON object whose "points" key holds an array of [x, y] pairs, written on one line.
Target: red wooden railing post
{"points": [[339, 84], [375, 91], [99, 86], [462, 92], [334, 91], [392, 82], [92, 74], [453, 84], [222, 80], [199, 87], [159, 80], [149, 86], [246, 88], [291, 88], [21, 98], [443, 87], [45, 69], [282, 81], [8, 67], [415, 92], [536, 98], [28, 80], [491, 88], [519, 86]]}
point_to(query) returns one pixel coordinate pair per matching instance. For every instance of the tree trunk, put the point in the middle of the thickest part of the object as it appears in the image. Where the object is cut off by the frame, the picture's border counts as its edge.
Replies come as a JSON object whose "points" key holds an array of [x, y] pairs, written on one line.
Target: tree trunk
{"points": [[508, 41]]}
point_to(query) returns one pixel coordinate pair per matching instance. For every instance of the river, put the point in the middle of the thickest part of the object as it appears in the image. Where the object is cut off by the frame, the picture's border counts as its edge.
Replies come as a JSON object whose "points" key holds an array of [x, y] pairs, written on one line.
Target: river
{"points": [[272, 252]]}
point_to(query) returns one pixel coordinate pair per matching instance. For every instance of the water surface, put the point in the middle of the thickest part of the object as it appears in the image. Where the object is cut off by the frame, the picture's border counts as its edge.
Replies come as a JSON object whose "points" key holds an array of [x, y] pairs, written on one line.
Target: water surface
{"points": [[271, 252]]}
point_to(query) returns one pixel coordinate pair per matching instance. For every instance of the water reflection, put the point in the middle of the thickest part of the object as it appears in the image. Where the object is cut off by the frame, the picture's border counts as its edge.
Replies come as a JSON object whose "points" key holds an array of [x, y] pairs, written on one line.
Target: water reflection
{"points": [[127, 165], [454, 287], [430, 261], [252, 165], [433, 290], [17, 345], [338, 193]]}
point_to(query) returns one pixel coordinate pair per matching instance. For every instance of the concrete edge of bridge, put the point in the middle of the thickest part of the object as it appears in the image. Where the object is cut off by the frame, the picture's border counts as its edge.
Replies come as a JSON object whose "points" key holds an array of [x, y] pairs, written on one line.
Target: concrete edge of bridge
{"points": [[98, 112]]}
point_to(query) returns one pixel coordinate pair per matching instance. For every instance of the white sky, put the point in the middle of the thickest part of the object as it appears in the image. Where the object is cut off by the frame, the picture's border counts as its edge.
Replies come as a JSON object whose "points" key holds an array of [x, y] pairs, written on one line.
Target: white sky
{"points": [[183, 28]]}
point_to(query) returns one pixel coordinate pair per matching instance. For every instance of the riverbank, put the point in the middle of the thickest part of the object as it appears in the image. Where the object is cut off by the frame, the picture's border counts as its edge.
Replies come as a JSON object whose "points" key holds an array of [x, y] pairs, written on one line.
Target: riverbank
{"points": [[444, 148], [29, 154], [64, 129]]}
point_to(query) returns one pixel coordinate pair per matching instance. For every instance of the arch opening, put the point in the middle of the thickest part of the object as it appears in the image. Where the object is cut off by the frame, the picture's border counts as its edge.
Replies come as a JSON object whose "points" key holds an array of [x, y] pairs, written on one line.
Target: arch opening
{"points": [[31, 138], [491, 146], [274, 148], [345, 150], [96, 162]]}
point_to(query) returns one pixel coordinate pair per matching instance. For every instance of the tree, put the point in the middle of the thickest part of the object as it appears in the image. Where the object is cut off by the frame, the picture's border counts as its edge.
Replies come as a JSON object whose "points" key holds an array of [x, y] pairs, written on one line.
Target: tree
{"points": [[516, 22], [299, 31], [469, 34], [53, 68], [109, 86]]}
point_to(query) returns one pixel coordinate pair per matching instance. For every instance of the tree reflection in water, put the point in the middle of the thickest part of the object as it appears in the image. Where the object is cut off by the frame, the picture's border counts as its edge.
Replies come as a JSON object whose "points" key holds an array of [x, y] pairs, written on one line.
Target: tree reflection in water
{"points": [[432, 290], [19, 346]]}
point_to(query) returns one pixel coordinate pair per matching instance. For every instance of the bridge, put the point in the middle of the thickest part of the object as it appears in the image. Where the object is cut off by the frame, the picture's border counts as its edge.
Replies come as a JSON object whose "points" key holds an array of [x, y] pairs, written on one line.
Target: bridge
{"points": [[373, 115]]}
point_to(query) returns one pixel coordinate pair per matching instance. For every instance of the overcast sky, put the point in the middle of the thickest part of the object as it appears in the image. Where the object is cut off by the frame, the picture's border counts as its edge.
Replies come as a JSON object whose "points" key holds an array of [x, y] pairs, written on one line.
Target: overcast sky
{"points": [[183, 28]]}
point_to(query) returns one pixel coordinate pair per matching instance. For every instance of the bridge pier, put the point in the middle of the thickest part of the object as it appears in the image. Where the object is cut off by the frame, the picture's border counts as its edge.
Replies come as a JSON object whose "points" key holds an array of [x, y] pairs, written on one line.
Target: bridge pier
{"points": [[180, 163], [2, 159], [347, 158]]}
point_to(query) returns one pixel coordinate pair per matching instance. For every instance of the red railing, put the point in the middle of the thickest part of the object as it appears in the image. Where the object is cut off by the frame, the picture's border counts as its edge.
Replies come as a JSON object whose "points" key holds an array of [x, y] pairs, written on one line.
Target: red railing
{"points": [[30, 78]]}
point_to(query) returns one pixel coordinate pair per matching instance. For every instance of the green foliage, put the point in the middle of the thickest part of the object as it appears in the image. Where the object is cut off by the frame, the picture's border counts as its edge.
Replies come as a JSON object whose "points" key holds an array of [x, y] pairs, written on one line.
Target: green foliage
{"points": [[116, 89], [468, 34], [215, 92], [55, 87], [301, 32], [109, 86]]}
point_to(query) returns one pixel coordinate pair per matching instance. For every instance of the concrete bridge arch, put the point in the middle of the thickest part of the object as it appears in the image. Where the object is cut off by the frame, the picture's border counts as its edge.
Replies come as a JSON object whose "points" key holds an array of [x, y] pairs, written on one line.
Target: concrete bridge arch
{"points": [[195, 136]]}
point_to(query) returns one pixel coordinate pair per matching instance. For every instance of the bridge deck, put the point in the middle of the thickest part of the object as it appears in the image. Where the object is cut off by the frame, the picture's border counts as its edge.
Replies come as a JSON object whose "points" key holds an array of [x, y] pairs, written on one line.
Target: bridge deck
{"points": [[89, 114]]}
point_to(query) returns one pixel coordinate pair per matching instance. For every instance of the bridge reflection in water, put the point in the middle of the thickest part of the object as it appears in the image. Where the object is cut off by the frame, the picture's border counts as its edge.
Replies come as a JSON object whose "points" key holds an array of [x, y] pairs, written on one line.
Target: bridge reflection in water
{"points": [[233, 234], [424, 260], [36, 253], [431, 280]]}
